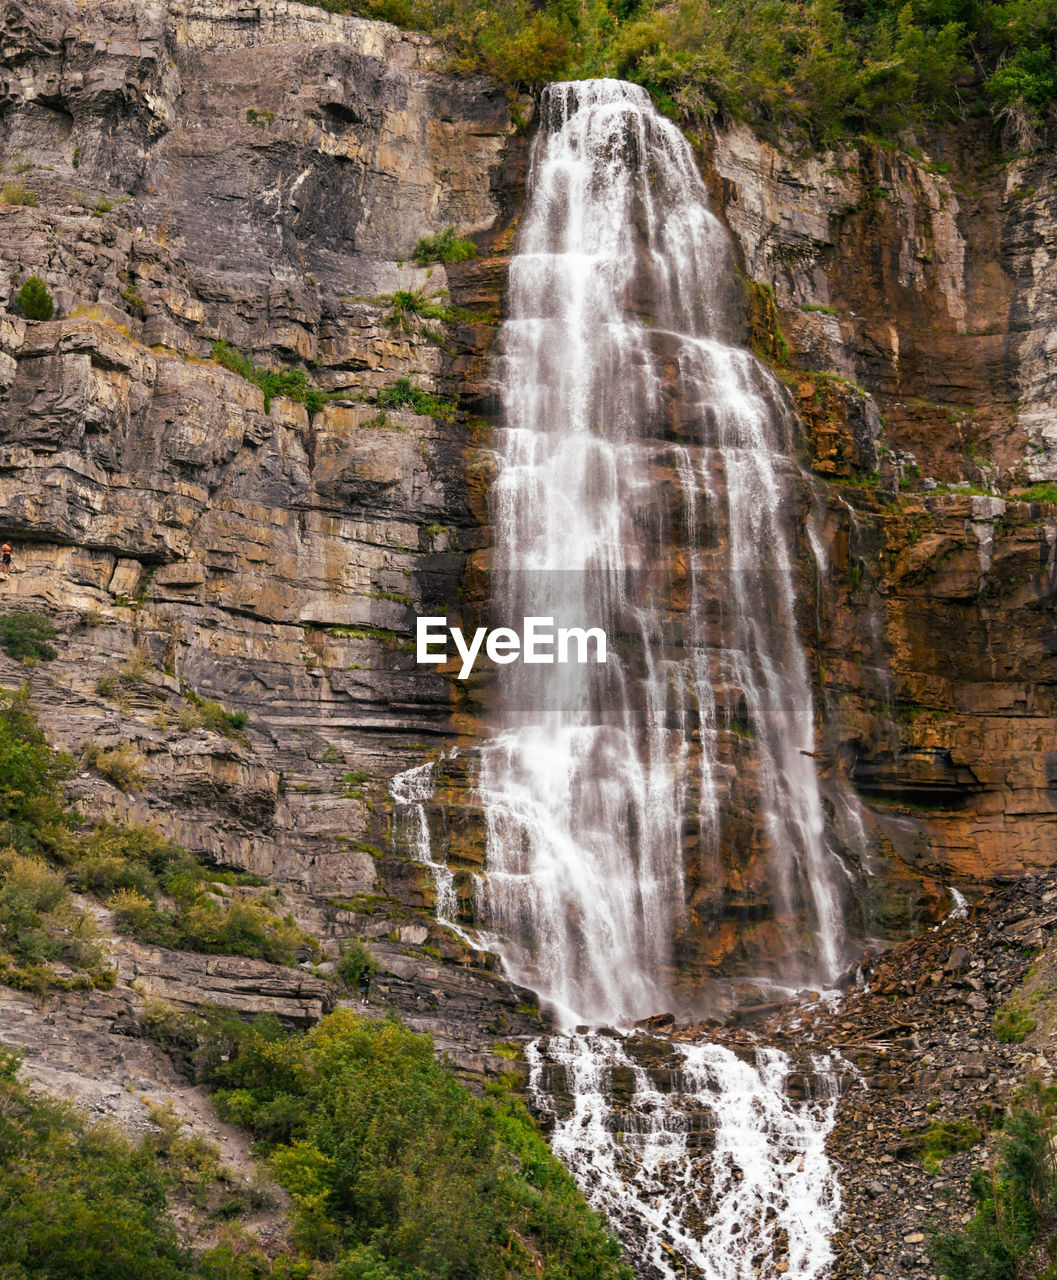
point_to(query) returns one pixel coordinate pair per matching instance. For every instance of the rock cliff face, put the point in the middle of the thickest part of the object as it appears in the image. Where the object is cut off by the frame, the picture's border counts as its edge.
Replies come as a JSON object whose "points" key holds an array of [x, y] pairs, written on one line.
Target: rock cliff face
{"points": [[916, 299], [182, 173], [189, 173]]}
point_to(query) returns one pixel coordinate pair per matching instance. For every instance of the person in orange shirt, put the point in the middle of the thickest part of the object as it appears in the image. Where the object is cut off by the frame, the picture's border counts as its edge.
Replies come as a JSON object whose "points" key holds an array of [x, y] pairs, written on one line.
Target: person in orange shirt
{"points": [[5, 552]]}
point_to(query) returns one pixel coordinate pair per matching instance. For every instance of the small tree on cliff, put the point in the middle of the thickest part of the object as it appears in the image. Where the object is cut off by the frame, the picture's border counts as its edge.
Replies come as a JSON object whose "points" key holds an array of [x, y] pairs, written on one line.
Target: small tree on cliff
{"points": [[35, 300]]}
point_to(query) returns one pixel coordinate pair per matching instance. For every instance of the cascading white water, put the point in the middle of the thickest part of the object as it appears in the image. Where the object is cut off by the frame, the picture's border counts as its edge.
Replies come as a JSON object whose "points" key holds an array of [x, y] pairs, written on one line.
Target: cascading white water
{"points": [[644, 486], [709, 1171], [411, 792]]}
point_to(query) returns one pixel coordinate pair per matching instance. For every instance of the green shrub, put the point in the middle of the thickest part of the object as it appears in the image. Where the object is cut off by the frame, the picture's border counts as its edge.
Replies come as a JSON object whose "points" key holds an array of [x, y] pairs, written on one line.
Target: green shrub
{"points": [[354, 958], [402, 395], [1013, 1232], [26, 635], [34, 300], [294, 384], [205, 713], [19, 193], [444, 246], [408, 305], [393, 1165], [351, 784], [78, 1200], [122, 765], [1013, 1024], [33, 816], [133, 867], [133, 673], [40, 926]]}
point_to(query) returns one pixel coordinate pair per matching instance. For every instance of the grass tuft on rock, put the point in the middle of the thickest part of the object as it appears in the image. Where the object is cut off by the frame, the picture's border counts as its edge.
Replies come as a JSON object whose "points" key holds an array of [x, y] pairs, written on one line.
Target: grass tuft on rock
{"points": [[294, 384], [402, 395], [444, 246], [27, 635]]}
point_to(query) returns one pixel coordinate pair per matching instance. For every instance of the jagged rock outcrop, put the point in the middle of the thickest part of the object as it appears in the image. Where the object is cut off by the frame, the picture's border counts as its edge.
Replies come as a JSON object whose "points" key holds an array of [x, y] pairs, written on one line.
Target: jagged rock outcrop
{"points": [[208, 172]]}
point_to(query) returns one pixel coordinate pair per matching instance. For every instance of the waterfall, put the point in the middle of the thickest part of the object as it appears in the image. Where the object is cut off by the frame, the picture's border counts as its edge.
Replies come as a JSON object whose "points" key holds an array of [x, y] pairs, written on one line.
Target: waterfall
{"points": [[411, 793], [645, 486], [703, 1164]]}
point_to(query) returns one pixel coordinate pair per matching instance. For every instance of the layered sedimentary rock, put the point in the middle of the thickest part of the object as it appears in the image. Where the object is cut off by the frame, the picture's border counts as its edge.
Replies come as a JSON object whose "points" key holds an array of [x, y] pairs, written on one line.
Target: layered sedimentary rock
{"points": [[916, 299], [261, 175], [190, 173]]}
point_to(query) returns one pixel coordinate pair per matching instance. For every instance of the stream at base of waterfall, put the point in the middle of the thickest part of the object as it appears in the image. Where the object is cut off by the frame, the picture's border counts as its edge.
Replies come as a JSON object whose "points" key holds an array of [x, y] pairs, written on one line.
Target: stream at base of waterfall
{"points": [[699, 1160], [646, 484]]}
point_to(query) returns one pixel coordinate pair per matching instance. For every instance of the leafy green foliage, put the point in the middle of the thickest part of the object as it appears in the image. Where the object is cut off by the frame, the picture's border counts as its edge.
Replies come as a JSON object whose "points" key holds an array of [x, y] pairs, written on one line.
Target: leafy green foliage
{"points": [[35, 301], [79, 1200], [295, 384], [133, 867], [402, 395], [1024, 35], [1013, 1024], [444, 246], [26, 635], [820, 68], [33, 817], [353, 959], [1013, 1232], [407, 305], [395, 1169], [41, 927]]}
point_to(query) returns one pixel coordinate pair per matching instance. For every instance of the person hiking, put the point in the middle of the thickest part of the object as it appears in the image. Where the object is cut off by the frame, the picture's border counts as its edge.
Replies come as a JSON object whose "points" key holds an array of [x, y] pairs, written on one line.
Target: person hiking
{"points": [[5, 552], [365, 986]]}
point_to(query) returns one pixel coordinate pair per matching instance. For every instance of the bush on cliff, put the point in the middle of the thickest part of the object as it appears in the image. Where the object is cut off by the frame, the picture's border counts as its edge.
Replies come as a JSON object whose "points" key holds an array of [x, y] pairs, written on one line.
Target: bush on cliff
{"points": [[160, 893], [818, 69], [33, 817], [396, 1170], [402, 395], [46, 941], [444, 246], [1013, 1233], [26, 635], [294, 384], [163, 895], [33, 297]]}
